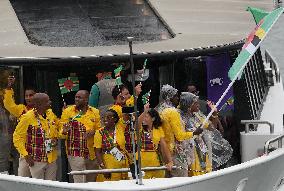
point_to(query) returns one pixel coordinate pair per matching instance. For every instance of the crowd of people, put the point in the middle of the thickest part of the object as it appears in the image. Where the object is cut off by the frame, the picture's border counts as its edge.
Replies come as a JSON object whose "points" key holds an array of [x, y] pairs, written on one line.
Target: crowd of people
{"points": [[172, 134]]}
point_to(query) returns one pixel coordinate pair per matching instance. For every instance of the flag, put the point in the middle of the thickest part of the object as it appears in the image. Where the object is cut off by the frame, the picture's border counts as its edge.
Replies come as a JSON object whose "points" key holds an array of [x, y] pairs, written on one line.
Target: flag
{"points": [[68, 84], [253, 41], [229, 102], [146, 97], [117, 71], [117, 75], [217, 67], [258, 14], [145, 64]]}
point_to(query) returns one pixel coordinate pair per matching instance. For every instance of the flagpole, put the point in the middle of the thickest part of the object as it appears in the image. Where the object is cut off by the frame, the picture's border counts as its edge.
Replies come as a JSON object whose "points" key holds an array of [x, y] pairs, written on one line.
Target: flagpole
{"points": [[130, 40]]}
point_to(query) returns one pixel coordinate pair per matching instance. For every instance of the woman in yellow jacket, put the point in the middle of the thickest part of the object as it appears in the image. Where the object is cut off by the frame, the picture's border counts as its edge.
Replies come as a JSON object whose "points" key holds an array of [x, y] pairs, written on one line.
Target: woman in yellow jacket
{"points": [[153, 143], [109, 143]]}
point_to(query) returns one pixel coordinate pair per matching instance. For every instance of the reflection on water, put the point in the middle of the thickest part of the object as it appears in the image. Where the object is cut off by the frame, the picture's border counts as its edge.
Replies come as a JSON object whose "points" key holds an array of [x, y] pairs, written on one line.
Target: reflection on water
{"points": [[86, 23]]}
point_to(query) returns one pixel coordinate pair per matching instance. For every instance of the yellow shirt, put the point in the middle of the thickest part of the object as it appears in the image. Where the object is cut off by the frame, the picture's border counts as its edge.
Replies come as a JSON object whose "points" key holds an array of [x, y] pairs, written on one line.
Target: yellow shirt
{"points": [[11, 106], [119, 138], [173, 127], [90, 120], [157, 135], [48, 124]]}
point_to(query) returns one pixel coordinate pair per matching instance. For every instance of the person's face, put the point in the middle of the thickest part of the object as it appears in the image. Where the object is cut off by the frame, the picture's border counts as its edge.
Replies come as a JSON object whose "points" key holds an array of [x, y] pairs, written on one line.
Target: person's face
{"points": [[123, 96], [194, 107], [109, 119], [192, 89], [28, 97], [46, 103], [148, 120], [175, 100], [81, 99]]}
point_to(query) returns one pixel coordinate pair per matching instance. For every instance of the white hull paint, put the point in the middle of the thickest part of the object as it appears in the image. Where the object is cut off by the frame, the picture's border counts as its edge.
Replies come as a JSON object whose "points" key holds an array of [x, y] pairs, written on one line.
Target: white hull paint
{"points": [[260, 174]]}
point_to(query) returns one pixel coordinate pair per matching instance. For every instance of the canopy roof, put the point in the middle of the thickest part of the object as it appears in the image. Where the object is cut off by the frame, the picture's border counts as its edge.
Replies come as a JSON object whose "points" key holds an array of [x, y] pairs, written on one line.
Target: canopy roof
{"points": [[201, 23]]}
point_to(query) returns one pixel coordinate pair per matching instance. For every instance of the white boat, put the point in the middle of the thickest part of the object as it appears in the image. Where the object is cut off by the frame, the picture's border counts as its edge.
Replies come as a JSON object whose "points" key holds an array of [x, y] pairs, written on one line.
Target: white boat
{"points": [[227, 23]]}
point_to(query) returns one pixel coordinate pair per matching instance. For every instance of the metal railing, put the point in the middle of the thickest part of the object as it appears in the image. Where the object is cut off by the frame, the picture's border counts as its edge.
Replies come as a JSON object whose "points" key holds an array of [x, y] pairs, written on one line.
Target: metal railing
{"points": [[278, 139], [273, 66], [251, 90], [118, 170], [247, 123], [277, 3]]}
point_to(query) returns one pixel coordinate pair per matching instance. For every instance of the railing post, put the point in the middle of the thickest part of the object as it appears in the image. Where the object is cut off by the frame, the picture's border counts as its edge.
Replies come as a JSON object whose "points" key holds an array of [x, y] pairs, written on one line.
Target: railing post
{"points": [[246, 128], [283, 121], [257, 122], [280, 143]]}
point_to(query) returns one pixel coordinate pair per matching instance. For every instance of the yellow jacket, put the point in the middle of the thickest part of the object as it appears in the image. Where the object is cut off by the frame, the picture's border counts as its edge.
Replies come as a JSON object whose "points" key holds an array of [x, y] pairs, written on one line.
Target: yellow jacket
{"points": [[119, 138], [49, 125], [173, 127], [11, 106], [90, 120]]}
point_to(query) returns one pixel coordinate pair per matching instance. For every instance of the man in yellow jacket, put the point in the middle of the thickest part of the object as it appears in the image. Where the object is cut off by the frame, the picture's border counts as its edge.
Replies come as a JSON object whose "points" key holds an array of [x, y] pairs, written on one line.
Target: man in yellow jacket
{"points": [[17, 110], [79, 123], [35, 138]]}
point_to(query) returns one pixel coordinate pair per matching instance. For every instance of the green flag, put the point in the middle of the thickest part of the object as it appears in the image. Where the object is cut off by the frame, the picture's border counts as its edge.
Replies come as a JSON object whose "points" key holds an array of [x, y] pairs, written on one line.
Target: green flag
{"points": [[117, 71], [118, 81], [117, 75], [257, 14], [146, 97], [68, 84], [253, 41]]}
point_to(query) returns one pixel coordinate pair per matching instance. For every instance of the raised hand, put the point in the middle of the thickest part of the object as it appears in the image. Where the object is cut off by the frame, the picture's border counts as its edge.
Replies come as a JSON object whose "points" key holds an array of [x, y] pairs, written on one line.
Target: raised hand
{"points": [[138, 89], [146, 107], [198, 131], [212, 105], [11, 81]]}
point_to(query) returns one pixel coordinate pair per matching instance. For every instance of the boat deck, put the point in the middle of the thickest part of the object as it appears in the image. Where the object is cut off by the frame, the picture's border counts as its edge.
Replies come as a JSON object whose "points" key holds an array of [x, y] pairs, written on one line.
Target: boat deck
{"points": [[195, 24]]}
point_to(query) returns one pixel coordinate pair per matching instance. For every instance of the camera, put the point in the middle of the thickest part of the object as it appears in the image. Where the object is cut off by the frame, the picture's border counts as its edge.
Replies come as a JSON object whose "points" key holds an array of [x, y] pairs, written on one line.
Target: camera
{"points": [[128, 110]]}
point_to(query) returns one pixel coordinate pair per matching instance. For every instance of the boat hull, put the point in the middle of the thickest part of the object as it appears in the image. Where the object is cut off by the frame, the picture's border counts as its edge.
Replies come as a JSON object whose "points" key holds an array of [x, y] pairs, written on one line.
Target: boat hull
{"points": [[262, 174]]}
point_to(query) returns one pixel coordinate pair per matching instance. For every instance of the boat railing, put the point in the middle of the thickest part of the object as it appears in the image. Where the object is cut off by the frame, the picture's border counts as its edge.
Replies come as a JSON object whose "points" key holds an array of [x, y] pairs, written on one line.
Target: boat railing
{"points": [[247, 124], [267, 148], [278, 3], [273, 70], [117, 170], [252, 89]]}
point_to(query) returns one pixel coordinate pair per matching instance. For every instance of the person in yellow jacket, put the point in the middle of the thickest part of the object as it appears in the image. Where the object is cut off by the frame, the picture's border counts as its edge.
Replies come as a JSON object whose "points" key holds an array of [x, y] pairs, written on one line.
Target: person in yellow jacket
{"points": [[79, 123], [172, 123], [122, 99], [153, 143], [109, 145], [201, 161], [35, 138], [17, 110], [9, 102]]}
